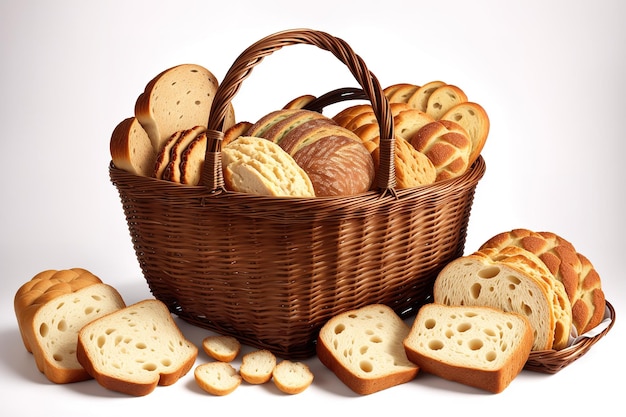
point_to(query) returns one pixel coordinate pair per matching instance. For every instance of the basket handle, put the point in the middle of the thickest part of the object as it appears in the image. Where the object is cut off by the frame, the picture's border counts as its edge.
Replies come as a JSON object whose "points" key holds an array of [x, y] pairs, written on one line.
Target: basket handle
{"points": [[212, 176]]}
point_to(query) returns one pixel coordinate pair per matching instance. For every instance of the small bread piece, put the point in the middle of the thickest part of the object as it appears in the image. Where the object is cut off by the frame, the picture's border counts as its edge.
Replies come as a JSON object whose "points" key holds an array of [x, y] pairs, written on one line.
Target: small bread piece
{"points": [[178, 98], [192, 160], [512, 280], [131, 148], [419, 99], [236, 130], [257, 166], [299, 102], [52, 308], [292, 377], [364, 348], [135, 349], [474, 119], [257, 367], [443, 99], [217, 378], [447, 145], [481, 347], [222, 348]]}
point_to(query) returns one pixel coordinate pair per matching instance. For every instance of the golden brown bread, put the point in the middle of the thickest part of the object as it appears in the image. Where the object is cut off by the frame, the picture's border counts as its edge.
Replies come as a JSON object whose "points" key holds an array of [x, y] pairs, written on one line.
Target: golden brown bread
{"points": [[474, 119], [419, 99], [412, 167], [443, 99]]}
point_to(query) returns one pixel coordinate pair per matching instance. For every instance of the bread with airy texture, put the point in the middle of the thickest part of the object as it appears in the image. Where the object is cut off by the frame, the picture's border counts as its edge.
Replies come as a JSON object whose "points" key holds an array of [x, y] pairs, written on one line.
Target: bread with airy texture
{"points": [[443, 99], [257, 367], [292, 377], [257, 166], [364, 348], [51, 309], [512, 280], [131, 148], [474, 119], [412, 167], [478, 346], [221, 348], [178, 98], [217, 378], [579, 278], [134, 349]]}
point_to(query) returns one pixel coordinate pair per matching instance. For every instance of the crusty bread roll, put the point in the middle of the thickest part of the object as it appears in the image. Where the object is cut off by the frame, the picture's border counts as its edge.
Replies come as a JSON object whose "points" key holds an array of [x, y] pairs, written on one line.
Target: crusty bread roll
{"points": [[578, 276], [221, 348], [257, 367], [51, 308], [512, 280], [178, 98], [217, 378], [131, 148], [478, 346], [474, 119], [257, 166], [134, 349], [364, 348], [292, 377], [447, 145]]}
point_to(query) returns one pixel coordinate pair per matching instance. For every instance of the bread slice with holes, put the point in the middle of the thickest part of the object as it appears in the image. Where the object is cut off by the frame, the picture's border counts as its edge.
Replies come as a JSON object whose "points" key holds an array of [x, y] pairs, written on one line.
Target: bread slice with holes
{"points": [[478, 346], [217, 378], [51, 309], [135, 349], [364, 348]]}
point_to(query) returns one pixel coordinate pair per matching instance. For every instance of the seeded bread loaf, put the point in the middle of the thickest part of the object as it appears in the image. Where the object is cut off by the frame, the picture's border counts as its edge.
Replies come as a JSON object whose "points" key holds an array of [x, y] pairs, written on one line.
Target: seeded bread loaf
{"points": [[578, 276], [134, 349], [478, 346], [512, 280], [51, 309], [364, 348]]}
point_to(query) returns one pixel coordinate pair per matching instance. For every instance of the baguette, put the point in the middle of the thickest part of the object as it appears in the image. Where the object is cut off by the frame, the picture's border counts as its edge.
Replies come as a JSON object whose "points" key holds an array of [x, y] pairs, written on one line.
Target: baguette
{"points": [[478, 346]]}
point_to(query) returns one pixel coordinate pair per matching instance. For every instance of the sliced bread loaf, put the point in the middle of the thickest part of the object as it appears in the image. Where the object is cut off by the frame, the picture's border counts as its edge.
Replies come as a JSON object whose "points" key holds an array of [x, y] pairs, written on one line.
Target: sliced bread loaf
{"points": [[52, 308], [135, 349], [478, 346], [364, 348]]}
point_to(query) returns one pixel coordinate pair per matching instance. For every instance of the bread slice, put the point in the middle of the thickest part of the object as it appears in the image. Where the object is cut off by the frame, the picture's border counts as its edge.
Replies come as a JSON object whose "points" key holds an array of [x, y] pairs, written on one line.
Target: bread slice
{"points": [[478, 346], [131, 148], [474, 119], [257, 367], [412, 167], [178, 98], [135, 349], [192, 160], [513, 280], [443, 99], [292, 377], [163, 156], [419, 99], [172, 170], [364, 348], [400, 93], [257, 166], [51, 309], [217, 378], [221, 348]]}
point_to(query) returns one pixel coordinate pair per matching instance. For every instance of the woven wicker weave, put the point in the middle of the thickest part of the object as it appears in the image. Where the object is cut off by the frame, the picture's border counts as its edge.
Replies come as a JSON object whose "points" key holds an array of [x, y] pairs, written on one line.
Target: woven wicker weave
{"points": [[271, 271]]}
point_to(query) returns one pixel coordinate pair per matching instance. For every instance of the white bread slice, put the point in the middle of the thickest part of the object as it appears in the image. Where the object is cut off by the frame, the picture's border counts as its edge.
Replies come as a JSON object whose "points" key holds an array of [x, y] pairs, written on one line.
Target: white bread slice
{"points": [[257, 367], [400, 93], [178, 98], [364, 348], [217, 378], [292, 377], [131, 148], [478, 346], [443, 99], [135, 349], [514, 280], [419, 99], [257, 166], [51, 308], [221, 348], [474, 119]]}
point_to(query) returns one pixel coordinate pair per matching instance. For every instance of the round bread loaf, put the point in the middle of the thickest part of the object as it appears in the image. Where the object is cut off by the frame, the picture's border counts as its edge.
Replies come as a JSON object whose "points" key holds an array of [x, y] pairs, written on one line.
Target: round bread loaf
{"points": [[578, 276]]}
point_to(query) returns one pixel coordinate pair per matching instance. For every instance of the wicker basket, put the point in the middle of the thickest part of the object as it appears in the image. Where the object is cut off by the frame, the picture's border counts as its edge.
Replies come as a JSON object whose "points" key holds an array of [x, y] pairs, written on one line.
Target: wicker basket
{"points": [[271, 271]]}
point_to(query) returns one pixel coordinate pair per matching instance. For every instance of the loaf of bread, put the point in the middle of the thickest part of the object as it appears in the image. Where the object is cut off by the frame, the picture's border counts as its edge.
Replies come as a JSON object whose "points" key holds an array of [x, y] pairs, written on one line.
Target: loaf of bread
{"points": [[134, 349], [512, 280], [364, 348], [481, 347], [258, 166], [131, 148], [217, 378], [51, 309], [579, 278], [177, 99], [447, 145], [292, 377]]}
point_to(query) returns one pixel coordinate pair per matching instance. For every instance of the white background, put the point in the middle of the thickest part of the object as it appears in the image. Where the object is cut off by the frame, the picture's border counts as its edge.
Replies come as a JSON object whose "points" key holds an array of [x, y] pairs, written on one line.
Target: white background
{"points": [[549, 73]]}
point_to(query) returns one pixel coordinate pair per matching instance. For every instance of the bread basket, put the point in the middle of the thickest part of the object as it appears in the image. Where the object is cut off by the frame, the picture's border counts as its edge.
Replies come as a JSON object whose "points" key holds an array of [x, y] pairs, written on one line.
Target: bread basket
{"points": [[271, 271]]}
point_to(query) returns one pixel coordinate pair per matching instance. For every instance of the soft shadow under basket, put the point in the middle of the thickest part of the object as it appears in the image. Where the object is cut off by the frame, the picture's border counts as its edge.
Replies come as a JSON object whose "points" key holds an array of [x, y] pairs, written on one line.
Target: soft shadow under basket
{"points": [[271, 271]]}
